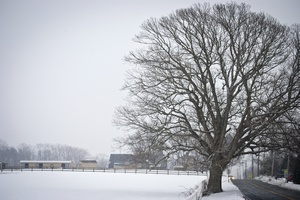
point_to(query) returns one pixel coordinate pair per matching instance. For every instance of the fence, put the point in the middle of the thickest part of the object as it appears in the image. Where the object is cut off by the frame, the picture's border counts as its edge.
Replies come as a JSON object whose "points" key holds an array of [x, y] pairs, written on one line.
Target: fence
{"points": [[198, 192], [109, 170]]}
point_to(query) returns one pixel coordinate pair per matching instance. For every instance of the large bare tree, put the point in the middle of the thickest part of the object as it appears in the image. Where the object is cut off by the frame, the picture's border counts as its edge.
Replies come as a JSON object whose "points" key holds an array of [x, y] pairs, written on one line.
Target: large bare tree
{"points": [[211, 79]]}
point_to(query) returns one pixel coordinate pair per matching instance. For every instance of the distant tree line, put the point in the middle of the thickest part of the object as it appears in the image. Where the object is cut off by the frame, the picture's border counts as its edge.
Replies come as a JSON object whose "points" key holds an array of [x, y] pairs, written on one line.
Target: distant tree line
{"points": [[12, 155]]}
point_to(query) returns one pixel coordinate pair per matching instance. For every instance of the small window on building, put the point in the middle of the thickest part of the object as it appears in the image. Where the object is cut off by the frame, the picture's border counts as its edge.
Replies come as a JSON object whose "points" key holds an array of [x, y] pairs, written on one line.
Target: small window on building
{"points": [[63, 165], [26, 165], [40, 165]]}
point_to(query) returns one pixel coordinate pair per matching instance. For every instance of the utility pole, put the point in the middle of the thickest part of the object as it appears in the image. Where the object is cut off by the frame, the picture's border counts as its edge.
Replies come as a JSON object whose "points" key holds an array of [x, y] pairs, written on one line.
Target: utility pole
{"points": [[241, 169], [273, 162], [288, 164], [258, 163], [245, 169], [252, 168]]}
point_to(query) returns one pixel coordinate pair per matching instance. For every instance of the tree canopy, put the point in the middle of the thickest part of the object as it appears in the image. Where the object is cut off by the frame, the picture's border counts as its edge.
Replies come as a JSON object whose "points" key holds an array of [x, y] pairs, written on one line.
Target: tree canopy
{"points": [[212, 79]]}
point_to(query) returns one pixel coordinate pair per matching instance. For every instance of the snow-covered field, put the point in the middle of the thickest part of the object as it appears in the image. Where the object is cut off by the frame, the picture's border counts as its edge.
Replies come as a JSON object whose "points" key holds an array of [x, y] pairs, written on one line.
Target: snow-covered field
{"points": [[93, 185], [49, 185]]}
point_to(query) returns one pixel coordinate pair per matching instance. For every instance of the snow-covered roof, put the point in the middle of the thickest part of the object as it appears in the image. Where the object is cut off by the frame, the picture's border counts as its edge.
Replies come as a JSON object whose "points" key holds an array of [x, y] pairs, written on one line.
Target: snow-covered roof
{"points": [[45, 161], [88, 161]]}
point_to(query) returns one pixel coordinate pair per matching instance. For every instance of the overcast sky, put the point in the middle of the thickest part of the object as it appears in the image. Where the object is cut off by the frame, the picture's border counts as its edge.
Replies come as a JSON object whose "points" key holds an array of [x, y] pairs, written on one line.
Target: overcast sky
{"points": [[62, 67]]}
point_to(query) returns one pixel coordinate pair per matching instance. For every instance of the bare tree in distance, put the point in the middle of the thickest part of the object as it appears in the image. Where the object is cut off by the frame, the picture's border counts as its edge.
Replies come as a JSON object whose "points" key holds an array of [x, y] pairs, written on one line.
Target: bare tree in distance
{"points": [[102, 161], [211, 79], [8, 155], [60, 152], [26, 152], [145, 152]]}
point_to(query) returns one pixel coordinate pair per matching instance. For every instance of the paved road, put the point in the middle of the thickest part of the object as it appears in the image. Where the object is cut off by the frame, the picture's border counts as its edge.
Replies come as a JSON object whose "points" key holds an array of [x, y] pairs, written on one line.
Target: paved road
{"points": [[257, 190]]}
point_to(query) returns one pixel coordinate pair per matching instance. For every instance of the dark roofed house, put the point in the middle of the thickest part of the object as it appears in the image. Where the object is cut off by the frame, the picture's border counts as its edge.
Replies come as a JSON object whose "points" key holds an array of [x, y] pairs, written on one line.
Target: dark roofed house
{"points": [[121, 161], [2, 165]]}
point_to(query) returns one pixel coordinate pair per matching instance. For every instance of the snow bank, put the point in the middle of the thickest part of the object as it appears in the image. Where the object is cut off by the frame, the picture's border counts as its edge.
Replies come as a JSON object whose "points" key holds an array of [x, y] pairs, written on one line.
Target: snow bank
{"points": [[230, 191], [48, 185], [279, 182]]}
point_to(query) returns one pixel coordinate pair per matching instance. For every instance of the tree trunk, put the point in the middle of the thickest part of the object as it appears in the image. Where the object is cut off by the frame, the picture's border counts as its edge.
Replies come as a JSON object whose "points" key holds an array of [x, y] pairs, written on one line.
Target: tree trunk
{"points": [[215, 179]]}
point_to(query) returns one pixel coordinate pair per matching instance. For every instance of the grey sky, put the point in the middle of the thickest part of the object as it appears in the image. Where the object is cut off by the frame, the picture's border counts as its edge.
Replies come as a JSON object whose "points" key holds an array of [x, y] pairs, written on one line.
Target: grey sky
{"points": [[61, 65]]}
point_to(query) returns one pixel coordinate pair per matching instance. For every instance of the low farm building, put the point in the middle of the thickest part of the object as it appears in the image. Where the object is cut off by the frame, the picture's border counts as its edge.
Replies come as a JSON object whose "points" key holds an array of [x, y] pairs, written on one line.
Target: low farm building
{"points": [[87, 164], [41, 164]]}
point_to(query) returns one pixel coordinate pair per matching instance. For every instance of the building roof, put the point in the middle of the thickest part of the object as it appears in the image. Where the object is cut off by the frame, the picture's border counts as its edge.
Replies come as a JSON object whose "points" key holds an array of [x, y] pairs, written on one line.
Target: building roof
{"points": [[120, 158], [45, 161]]}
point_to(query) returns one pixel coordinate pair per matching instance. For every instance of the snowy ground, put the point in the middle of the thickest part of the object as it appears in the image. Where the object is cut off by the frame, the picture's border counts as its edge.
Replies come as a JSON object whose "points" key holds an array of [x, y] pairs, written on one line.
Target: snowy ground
{"points": [[230, 192], [58, 185], [48, 185]]}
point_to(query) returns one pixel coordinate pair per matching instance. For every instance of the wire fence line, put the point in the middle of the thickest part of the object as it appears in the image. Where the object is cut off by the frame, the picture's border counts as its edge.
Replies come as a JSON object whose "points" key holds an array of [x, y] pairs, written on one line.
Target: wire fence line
{"points": [[110, 170]]}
